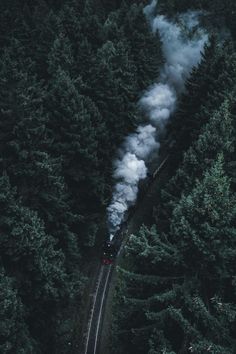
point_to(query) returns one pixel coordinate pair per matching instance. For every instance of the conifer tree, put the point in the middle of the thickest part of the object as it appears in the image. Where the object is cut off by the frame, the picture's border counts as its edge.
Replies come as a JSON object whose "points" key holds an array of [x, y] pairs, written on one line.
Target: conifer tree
{"points": [[15, 336], [114, 88], [31, 256], [75, 123], [218, 135], [145, 47], [211, 82], [175, 299], [70, 76]]}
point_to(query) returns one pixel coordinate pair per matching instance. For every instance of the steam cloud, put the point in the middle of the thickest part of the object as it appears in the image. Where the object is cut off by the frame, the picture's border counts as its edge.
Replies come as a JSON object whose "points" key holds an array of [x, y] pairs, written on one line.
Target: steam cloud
{"points": [[181, 53]]}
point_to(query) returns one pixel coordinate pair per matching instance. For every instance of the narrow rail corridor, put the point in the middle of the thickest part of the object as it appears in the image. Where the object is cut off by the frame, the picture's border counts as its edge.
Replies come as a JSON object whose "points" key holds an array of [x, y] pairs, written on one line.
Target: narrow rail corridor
{"points": [[97, 308]]}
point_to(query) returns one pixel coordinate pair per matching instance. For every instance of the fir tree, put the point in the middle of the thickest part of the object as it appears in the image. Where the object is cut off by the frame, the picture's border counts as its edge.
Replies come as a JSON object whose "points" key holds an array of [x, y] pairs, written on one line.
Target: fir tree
{"points": [[15, 336], [175, 297]]}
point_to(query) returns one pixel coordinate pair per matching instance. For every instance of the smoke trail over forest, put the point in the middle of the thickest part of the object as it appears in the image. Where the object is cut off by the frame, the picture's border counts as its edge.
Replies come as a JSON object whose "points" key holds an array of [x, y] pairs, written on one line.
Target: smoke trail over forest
{"points": [[181, 52]]}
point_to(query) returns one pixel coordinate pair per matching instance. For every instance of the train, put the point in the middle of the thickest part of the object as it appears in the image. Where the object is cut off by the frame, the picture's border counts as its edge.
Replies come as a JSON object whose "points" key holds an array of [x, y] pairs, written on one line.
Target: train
{"points": [[111, 246], [109, 253]]}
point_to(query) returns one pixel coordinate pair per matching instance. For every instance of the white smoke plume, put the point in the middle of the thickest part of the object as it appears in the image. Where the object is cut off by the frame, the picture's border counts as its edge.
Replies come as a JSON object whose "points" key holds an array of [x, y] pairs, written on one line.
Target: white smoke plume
{"points": [[158, 103]]}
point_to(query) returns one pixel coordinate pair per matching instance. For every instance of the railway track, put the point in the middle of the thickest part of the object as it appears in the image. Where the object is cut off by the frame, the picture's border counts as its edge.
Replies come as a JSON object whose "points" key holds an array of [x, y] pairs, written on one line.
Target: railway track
{"points": [[100, 292], [97, 309]]}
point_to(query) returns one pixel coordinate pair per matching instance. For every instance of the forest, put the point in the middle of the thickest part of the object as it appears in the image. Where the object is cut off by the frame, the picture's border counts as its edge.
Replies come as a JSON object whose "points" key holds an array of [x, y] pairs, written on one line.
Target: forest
{"points": [[71, 74], [176, 290]]}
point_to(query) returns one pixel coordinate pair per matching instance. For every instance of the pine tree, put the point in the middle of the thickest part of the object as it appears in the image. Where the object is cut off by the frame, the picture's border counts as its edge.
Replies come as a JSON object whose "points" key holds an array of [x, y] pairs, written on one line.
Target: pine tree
{"points": [[114, 89], [177, 296], [212, 82], [61, 55], [25, 153], [75, 123], [145, 47], [24, 241], [31, 256], [70, 77], [206, 219], [218, 135], [15, 336]]}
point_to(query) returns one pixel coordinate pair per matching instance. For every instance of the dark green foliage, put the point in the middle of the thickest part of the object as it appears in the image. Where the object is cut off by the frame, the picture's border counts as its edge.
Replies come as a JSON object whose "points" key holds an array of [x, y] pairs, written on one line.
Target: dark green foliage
{"points": [[210, 83], [176, 287], [116, 76], [217, 135], [13, 329], [179, 296], [205, 219], [216, 11], [77, 127], [70, 75], [29, 255], [146, 50]]}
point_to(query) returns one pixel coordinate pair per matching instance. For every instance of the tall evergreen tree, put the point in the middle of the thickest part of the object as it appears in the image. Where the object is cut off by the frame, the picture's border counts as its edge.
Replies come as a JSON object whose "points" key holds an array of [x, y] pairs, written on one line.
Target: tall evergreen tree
{"points": [[15, 337], [177, 298], [70, 76], [212, 82], [30, 255], [218, 135], [145, 46]]}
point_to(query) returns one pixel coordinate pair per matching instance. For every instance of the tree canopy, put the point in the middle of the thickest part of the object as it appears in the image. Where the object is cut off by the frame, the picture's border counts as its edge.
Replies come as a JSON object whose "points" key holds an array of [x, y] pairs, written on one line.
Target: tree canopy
{"points": [[70, 75]]}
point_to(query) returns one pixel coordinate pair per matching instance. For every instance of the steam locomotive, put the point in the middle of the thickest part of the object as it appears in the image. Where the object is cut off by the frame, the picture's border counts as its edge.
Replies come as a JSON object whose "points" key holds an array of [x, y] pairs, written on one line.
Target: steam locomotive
{"points": [[112, 247], [109, 253]]}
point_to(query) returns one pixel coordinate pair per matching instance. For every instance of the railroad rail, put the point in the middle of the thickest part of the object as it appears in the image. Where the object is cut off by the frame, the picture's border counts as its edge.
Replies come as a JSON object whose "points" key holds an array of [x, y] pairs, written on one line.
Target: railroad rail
{"points": [[96, 315], [99, 294]]}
